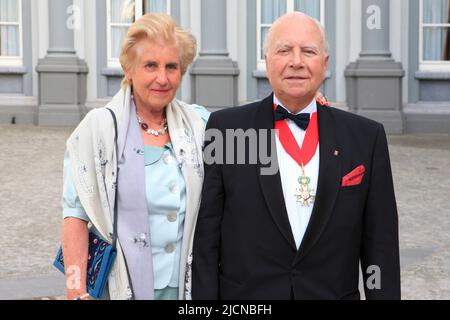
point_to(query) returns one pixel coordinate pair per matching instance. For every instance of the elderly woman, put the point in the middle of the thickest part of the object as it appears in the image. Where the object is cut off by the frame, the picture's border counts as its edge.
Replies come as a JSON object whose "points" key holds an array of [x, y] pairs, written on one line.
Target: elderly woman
{"points": [[160, 170]]}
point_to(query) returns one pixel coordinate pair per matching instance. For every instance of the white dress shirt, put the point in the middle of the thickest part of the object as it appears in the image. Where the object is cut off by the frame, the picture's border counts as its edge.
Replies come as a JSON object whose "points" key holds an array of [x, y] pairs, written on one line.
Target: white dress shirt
{"points": [[290, 171]]}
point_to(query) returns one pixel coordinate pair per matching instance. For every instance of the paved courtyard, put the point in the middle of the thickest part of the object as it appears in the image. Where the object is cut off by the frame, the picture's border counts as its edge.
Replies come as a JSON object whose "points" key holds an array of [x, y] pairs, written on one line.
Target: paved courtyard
{"points": [[31, 182]]}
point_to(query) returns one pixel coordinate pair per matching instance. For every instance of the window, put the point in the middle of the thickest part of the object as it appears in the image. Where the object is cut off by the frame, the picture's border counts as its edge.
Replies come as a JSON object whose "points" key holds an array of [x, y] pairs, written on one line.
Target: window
{"points": [[434, 34], [10, 32], [269, 10], [121, 14]]}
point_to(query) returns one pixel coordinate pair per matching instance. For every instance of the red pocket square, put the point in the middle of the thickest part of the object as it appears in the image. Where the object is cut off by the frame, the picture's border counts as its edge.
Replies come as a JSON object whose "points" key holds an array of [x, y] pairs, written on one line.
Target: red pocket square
{"points": [[354, 178]]}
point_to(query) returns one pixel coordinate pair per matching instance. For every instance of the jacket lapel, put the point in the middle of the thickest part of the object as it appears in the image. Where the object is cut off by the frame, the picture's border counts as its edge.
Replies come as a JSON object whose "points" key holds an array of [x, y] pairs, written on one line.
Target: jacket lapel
{"points": [[271, 184], [328, 182]]}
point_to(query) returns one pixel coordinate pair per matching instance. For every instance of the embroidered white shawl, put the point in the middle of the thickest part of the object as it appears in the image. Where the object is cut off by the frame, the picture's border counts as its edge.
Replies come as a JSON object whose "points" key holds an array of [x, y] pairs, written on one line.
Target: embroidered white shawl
{"points": [[91, 151]]}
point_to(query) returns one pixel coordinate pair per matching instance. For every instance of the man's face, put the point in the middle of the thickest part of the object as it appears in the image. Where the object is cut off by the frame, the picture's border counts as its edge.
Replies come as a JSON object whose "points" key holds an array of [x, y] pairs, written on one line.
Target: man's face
{"points": [[296, 61]]}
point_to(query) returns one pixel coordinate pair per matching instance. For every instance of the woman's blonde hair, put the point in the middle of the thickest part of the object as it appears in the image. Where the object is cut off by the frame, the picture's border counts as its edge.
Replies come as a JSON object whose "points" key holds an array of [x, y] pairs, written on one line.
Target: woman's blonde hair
{"points": [[153, 27]]}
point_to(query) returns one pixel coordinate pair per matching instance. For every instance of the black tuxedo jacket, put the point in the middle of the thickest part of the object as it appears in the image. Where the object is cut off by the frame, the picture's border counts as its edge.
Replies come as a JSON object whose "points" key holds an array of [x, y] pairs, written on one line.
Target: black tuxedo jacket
{"points": [[244, 247]]}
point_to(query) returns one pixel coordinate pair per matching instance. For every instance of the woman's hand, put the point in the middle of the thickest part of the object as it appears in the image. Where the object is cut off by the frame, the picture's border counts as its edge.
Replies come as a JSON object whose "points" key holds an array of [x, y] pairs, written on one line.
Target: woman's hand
{"points": [[322, 99]]}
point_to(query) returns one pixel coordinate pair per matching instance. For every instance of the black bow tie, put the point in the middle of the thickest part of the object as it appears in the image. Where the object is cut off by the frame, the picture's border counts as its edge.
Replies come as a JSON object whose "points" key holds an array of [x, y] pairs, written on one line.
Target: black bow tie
{"points": [[302, 119]]}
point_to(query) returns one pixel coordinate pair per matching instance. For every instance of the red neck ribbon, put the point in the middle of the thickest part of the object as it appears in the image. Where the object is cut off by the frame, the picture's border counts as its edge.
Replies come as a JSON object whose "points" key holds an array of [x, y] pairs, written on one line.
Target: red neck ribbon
{"points": [[304, 155]]}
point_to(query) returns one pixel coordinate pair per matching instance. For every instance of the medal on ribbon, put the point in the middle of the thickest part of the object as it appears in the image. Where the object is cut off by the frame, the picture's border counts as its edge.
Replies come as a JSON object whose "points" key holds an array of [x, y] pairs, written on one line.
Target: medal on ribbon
{"points": [[304, 194]]}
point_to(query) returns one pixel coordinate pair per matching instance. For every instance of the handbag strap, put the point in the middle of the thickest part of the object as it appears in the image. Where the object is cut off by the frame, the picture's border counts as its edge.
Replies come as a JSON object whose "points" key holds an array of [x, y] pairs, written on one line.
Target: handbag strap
{"points": [[114, 238]]}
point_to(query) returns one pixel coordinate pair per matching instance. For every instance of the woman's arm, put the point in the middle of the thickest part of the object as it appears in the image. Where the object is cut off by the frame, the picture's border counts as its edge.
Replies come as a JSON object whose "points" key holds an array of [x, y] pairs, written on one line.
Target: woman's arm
{"points": [[75, 238]]}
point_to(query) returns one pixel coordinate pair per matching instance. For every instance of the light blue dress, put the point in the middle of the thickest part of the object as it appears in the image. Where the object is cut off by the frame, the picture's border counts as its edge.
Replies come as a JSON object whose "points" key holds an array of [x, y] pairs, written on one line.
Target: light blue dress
{"points": [[166, 202]]}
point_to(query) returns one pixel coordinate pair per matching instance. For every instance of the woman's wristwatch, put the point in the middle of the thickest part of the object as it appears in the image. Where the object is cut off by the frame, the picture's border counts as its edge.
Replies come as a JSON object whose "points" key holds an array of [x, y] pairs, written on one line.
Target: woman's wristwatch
{"points": [[83, 297]]}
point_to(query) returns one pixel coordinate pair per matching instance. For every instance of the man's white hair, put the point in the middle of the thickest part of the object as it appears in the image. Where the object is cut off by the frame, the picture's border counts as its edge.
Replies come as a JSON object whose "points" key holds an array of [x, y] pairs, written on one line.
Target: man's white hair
{"points": [[326, 46]]}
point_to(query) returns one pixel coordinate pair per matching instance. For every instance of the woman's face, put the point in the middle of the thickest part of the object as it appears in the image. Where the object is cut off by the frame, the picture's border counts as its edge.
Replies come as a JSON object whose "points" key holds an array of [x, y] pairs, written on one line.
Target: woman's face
{"points": [[157, 74]]}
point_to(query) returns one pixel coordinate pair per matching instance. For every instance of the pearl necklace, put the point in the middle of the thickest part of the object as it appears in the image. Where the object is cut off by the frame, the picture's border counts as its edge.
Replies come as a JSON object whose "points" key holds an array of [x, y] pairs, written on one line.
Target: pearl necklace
{"points": [[151, 131]]}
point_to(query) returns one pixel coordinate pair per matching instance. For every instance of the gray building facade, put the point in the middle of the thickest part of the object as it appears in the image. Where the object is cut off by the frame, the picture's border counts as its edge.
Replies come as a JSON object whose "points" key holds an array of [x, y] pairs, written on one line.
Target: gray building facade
{"points": [[390, 60]]}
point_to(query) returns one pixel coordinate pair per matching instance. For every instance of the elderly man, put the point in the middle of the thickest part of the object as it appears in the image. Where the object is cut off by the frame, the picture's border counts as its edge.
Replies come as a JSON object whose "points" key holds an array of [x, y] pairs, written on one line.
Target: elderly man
{"points": [[303, 232]]}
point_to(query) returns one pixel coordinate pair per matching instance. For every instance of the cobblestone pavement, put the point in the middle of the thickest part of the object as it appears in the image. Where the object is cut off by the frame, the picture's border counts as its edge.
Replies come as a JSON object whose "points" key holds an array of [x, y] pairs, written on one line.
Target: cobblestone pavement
{"points": [[31, 181], [421, 170]]}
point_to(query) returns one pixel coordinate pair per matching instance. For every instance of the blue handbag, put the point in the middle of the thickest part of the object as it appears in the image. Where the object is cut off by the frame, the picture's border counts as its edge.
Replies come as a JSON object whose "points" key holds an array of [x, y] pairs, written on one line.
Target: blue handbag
{"points": [[101, 254]]}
